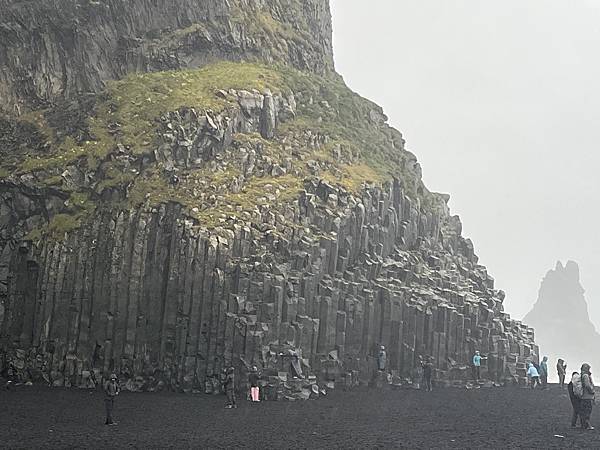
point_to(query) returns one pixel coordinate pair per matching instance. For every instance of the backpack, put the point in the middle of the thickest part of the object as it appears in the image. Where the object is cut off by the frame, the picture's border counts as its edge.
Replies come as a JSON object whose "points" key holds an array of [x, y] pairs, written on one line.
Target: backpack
{"points": [[577, 386]]}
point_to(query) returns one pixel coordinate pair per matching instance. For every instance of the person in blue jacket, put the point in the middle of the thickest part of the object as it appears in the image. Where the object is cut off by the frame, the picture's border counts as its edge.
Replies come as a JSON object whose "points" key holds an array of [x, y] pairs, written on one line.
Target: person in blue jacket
{"points": [[533, 375], [477, 365]]}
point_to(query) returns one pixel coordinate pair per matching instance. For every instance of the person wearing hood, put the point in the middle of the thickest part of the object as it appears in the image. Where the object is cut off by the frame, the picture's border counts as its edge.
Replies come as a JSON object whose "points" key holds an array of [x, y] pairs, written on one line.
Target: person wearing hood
{"points": [[561, 369], [534, 376], [587, 399], [543, 371], [575, 400], [111, 390]]}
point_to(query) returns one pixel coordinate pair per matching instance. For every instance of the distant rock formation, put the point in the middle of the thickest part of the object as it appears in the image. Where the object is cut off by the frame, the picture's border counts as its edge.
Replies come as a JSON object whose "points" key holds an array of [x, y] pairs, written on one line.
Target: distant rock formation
{"points": [[560, 317]]}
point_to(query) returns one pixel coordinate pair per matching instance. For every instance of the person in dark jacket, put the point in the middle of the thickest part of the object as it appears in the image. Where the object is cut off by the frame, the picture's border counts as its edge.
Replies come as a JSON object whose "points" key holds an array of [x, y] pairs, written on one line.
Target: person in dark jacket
{"points": [[587, 399], [561, 370], [543, 370], [253, 380], [230, 388], [427, 374], [575, 401], [111, 390]]}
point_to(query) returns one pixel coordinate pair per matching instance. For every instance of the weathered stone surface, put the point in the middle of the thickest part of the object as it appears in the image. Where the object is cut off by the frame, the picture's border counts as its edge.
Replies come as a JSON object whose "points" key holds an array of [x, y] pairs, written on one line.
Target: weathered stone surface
{"points": [[59, 48], [166, 294]]}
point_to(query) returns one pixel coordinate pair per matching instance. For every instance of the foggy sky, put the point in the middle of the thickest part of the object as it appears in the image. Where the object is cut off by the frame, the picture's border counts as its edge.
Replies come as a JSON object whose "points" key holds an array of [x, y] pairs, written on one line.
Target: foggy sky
{"points": [[500, 101]]}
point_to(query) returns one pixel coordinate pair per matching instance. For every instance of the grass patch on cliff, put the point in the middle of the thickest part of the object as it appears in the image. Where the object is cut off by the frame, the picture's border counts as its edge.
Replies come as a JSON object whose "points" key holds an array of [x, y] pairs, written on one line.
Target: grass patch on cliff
{"points": [[66, 150], [354, 177], [130, 110], [138, 100], [80, 209], [257, 192]]}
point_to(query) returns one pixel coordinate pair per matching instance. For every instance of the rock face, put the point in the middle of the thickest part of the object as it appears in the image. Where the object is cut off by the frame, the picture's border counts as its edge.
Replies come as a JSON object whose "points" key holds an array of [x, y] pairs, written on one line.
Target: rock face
{"points": [[64, 47], [561, 320], [170, 224]]}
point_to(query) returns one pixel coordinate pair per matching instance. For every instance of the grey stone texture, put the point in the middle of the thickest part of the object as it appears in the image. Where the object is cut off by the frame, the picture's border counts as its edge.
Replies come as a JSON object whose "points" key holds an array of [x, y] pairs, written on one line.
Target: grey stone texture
{"points": [[153, 294]]}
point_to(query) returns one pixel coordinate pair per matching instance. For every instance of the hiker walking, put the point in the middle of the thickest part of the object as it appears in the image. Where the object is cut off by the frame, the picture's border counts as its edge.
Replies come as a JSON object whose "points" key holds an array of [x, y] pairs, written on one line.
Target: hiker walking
{"points": [[254, 389], [587, 397], [477, 365], [561, 369], [111, 390], [230, 388], [533, 375], [543, 371], [575, 390]]}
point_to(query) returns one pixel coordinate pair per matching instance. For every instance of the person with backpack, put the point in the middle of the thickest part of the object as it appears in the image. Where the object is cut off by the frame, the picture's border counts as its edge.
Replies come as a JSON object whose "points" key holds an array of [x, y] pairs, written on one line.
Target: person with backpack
{"points": [[561, 369], [534, 376], [587, 397], [575, 392]]}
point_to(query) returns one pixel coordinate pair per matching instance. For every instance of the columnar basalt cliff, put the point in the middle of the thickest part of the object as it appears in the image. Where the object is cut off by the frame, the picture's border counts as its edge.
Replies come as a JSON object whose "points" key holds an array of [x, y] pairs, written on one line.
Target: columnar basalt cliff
{"points": [[170, 205]]}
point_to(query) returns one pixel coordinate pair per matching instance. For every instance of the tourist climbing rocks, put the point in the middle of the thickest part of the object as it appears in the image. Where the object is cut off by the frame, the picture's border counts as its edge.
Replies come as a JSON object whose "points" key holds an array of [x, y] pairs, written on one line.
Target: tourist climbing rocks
{"points": [[533, 375], [543, 371], [230, 388], [111, 390], [575, 390], [587, 397], [561, 370], [477, 365], [382, 359], [253, 380], [427, 366]]}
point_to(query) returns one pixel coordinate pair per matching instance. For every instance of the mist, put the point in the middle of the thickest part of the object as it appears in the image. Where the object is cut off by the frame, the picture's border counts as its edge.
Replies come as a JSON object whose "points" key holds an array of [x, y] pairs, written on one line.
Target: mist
{"points": [[500, 103]]}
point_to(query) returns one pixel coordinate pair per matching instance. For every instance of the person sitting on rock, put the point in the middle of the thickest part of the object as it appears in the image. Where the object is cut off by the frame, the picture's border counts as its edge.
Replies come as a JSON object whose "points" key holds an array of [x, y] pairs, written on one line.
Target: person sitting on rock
{"points": [[477, 365], [561, 369], [533, 375]]}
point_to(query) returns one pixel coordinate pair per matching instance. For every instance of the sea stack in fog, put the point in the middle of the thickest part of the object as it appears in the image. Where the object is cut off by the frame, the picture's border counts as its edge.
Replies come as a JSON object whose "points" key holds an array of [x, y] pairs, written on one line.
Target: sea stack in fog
{"points": [[561, 320]]}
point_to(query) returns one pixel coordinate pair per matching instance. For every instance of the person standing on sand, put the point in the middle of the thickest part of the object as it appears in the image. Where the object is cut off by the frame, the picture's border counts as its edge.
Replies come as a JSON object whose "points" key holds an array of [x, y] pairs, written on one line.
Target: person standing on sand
{"points": [[534, 376], [230, 388], [561, 369], [575, 400], [382, 359], [477, 365], [587, 398], [543, 371], [254, 389], [427, 374], [111, 390]]}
